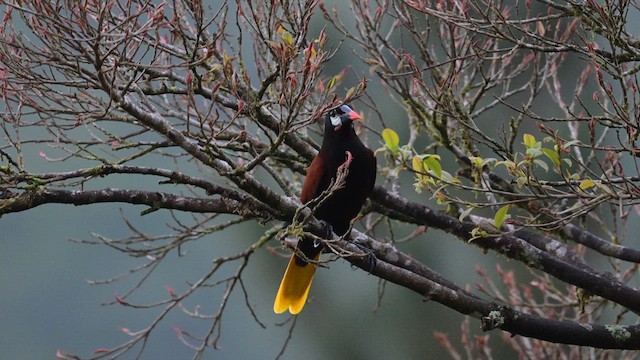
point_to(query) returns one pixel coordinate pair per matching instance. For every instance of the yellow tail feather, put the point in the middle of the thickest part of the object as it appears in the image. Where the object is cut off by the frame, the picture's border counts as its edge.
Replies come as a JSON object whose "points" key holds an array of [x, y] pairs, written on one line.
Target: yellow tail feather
{"points": [[294, 287]]}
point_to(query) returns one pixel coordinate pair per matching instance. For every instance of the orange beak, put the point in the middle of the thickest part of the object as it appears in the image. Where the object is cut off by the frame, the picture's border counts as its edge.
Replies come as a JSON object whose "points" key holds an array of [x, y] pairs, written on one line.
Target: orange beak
{"points": [[354, 116]]}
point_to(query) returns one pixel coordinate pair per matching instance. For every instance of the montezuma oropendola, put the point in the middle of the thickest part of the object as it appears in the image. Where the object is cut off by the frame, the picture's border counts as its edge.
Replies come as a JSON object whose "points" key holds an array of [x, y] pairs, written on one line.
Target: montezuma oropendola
{"points": [[338, 209]]}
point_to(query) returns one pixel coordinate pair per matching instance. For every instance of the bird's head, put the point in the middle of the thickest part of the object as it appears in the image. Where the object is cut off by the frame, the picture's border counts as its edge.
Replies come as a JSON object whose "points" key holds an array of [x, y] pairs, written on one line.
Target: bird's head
{"points": [[340, 118]]}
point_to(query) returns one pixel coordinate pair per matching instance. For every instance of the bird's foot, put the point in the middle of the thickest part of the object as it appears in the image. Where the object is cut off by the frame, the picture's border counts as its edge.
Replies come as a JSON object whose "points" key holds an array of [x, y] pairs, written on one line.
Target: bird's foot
{"points": [[326, 233], [368, 255], [327, 230]]}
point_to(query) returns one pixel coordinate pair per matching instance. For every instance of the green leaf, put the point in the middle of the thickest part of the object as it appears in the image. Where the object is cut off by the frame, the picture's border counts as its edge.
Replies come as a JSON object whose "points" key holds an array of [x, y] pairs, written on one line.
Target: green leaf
{"points": [[477, 233], [285, 35], [541, 164], [418, 167], [332, 82], [534, 152], [464, 214], [350, 92], [587, 183], [529, 141], [553, 156], [501, 215], [447, 177], [434, 165], [476, 161], [391, 140], [507, 163], [288, 39], [574, 176]]}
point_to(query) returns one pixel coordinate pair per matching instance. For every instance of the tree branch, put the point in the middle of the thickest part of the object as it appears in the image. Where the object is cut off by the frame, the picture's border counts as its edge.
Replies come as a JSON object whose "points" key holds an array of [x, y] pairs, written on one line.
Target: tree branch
{"points": [[155, 200], [515, 248], [399, 268]]}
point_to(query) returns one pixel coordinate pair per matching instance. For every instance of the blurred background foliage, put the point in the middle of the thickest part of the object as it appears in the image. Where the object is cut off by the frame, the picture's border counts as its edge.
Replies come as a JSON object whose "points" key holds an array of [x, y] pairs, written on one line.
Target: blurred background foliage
{"points": [[48, 302]]}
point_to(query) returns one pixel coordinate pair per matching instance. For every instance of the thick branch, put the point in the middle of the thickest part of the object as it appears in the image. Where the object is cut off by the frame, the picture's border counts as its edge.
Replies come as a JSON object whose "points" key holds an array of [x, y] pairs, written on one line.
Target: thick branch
{"points": [[393, 265], [173, 177], [155, 200], [581, 236], [516, 248]]}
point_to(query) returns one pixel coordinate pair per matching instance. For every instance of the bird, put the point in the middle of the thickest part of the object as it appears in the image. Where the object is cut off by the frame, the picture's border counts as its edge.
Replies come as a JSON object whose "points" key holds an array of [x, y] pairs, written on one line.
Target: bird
{"points": [[339, 143]]}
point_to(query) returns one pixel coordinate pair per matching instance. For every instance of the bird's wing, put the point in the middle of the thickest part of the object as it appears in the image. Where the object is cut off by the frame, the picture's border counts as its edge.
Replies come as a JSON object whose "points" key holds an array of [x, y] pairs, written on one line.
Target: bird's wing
{"points": [[312, 186]]}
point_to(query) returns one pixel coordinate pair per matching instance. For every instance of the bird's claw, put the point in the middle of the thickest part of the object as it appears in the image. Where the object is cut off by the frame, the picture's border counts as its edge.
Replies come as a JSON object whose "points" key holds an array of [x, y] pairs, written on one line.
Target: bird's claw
{"points": [[370, 257], [327, 230]]}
